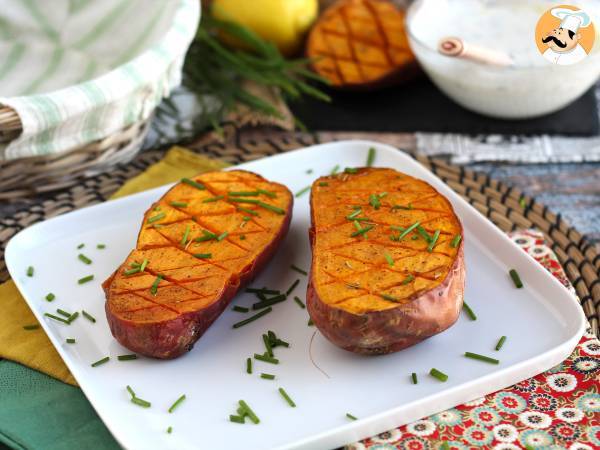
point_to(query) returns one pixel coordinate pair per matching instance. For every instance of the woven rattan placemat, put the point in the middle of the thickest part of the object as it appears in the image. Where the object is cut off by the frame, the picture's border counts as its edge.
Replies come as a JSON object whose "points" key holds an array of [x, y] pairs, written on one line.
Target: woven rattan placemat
{"points": [[505, 206]]}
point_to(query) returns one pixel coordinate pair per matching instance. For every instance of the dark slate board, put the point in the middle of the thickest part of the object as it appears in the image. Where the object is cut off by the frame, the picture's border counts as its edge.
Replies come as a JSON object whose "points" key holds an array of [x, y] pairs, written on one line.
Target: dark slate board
{"points": [[420, 106]]}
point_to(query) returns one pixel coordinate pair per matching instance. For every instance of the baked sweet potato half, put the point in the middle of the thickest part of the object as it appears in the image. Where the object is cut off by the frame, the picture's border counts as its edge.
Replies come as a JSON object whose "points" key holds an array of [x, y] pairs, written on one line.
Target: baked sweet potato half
{"points": [[203, 240], [387, 260]]}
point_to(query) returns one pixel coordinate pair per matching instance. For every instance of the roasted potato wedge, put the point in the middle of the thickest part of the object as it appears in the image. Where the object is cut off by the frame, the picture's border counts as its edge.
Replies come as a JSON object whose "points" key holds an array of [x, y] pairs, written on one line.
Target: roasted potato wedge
{"points": [[387, 260], [203, 240]]}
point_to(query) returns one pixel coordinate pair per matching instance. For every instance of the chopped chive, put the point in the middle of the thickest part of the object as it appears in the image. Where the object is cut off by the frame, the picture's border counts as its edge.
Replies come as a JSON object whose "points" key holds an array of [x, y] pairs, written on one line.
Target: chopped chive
{"points": [[298, 269], [266, 358], [74, 316], [246, 218], [186, 234], [407, 207], [177, 403], [433, 241], [414, 378], [410, 277], [374, 201], [335, 170], [371, 156], [30, 271], [262, 291], [131, 271], [299, 302], [80, 246], [362, 231], [351, 170], [350, 416], [154, 286], [222, 236], [140, 402], [144, 264], [500, 343], [244, 193], [250, 201], [31, 327], [356, 213], [248, 365], [253, 417], [269, 302], [302, 191], [84, 259], [64, 313], [207, 236], [388, 258], [242, 237], [456, 241], [516, 278], [415, 237], [253, 318], [267, 376], [236, 419], [292, 287], [275, 209], [179, 204], [50, 296], [309, 171], [169, 430], [310, 322], [157, 217], [193, 183], [60, 319], [100, 361], [267, 342], [423, 233], [213, 199], [389, 298], [409, 229], [246, 210], [241, 309], [129, 357], [522, 202], [469, 311], [88, 316], [439, 375], [267, 193], [323, 184], [482, 358], [70, 340], [203, 255], [85, 279], [130, 391], [287, 398]]}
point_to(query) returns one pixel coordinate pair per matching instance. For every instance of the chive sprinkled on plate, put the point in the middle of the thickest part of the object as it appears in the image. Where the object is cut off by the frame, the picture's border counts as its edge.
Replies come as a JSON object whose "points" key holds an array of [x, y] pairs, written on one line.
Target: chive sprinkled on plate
{"points": [[414, 378], [241, 309], [500, 343], [292, 287], [253, 318], [268, 348], [156, 217], [169, 430], [456, 241], [59, 319], [179, 204], [388, 258], [80, 246], [236, 419], [433, 241], [129, 357], [269, 302], [335, 170], [410, 277], [286, 397], [323, 183], [409, 229], [101, 361], [516, 278], [70, 340], [88, 316], [351, 417], [141, 402], [298, 269], [266, 358], [177, 403], [371, 156], [154, 286], [31, 327], [351, 170], [193, 183], [74, 316], [310, 322], [50, 296], [85, 279], [481, 358], [64, 313], [100, 246], [469, 311], [248, 365], [309, 171], [299, 302], [30, 271], [130, 390], [267, 376], [302, 191], [245, 408], [438, 374], [186, 235]]}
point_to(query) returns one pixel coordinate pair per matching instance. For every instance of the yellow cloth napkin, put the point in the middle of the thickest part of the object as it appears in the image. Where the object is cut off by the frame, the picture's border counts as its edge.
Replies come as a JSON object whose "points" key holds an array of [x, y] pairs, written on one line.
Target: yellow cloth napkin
{"points": [[32, 348]]}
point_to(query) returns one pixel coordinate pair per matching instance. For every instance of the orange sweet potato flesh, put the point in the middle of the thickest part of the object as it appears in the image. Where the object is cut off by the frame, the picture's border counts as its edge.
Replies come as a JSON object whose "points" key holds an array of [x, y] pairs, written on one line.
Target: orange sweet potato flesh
{"points": [[194, 291], [359, 298], [361, 44]]}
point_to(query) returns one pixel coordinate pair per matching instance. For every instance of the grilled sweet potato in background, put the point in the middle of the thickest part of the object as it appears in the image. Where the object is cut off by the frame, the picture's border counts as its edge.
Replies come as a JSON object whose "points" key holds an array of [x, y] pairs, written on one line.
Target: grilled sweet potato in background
{"points": [[361, 45], [166, 320], [356, 297]]}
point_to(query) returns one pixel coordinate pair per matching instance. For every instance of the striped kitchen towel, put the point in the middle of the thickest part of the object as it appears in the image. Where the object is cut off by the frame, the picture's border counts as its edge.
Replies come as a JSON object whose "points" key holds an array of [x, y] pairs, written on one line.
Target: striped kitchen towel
{"points": [[76, 71]]}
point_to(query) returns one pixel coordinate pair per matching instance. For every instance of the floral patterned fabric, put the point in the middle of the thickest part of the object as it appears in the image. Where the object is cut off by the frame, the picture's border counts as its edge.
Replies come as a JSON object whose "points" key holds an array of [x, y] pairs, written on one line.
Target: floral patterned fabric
{"points": [[558, 409]]}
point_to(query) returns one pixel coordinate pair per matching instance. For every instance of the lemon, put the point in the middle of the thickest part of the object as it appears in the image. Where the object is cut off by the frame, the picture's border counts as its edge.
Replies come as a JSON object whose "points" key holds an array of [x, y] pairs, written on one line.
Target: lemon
{"points": [[282, 22]]}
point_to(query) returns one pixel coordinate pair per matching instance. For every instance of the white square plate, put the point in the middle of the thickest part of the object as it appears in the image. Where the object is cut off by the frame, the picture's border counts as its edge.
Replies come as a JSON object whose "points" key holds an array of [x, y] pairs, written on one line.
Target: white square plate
{"points": [[543, 323]]}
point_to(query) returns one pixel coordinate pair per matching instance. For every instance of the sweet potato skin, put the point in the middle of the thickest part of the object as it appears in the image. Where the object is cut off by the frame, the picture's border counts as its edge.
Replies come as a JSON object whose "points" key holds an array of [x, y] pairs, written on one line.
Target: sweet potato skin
{"points": [[425, 314], [171, 338]]}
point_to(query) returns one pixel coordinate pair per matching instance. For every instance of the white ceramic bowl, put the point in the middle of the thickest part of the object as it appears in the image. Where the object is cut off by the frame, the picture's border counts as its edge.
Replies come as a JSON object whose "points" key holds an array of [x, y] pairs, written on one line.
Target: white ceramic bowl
{"points": [[531, 87]]}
